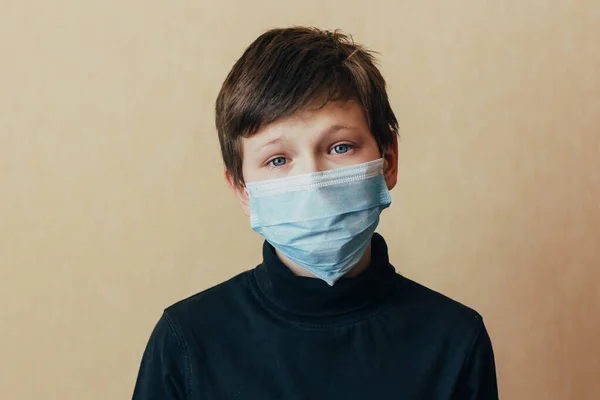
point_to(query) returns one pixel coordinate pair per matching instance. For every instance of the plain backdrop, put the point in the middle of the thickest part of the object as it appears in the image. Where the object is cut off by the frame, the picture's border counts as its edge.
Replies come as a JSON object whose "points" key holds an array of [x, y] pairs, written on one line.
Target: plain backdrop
{"points": [[113, 205]]}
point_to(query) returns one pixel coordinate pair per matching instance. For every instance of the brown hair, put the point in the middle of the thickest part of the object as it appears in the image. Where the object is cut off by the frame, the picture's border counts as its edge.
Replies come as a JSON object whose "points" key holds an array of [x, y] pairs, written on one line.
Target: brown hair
{"points": [[286, 70]]}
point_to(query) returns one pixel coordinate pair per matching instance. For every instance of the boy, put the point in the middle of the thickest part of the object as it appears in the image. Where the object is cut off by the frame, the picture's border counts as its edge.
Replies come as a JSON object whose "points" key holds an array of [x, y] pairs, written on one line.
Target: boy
{"points": [[309, 143]]}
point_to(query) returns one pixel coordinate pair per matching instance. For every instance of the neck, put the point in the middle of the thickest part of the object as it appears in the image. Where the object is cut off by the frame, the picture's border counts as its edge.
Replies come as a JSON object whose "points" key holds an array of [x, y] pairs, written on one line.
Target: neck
{"points": [[303, 296], [297, 270]]}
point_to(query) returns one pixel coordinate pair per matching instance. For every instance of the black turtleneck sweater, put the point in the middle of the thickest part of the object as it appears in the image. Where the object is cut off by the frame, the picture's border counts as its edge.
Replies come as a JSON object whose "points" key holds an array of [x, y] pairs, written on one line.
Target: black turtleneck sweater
{"points": [[268, 334]]}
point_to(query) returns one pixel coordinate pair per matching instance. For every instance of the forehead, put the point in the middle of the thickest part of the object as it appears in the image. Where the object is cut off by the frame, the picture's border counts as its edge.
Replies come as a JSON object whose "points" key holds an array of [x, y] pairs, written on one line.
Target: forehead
{"points": [[313, 122]]}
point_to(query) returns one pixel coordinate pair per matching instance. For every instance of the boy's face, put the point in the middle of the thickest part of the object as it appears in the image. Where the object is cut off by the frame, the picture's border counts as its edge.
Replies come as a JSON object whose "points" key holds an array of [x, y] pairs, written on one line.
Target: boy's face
{"points": [[333, 136]]}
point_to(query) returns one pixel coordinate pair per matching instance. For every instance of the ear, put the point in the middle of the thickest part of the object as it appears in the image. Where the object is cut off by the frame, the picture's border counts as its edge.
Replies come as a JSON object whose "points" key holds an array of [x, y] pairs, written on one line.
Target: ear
{"points": [[390, 164], [239, 191]]}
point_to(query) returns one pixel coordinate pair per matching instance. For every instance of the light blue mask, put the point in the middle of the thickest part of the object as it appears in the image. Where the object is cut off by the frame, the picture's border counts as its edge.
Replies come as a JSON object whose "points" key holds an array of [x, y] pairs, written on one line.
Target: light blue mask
{"points": [[321, 221]]}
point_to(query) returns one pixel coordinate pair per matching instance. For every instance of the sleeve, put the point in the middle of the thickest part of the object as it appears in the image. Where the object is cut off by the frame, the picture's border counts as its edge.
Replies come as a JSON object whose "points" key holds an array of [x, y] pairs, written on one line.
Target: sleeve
{"points": [[477, 380], [163, 369]]}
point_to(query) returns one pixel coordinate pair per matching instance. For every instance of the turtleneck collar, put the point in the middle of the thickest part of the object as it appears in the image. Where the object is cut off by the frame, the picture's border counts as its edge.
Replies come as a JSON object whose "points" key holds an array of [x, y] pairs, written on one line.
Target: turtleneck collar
{"points": [[311, 297]]}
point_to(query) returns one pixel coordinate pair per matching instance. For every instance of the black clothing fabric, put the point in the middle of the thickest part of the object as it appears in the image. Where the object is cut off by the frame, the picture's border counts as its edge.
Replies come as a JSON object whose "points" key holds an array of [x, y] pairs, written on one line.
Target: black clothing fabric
{"points": [[268, 334]]}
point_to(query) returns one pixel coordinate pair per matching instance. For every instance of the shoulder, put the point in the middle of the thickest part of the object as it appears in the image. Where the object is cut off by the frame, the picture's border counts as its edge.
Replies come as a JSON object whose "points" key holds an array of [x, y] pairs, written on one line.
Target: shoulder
{"points": [[443, 327], [428, 307], [438, 325], [210, 305]]}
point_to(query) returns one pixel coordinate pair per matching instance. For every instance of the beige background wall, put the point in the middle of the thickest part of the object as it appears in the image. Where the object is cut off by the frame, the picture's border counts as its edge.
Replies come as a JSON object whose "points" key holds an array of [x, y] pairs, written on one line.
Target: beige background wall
{"points": [[112, 204]]}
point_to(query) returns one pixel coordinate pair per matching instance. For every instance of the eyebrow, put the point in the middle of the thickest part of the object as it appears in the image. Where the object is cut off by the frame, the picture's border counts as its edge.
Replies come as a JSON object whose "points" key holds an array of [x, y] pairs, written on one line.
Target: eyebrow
{"points": [[272, 142], [327, 131], [335, 128]]}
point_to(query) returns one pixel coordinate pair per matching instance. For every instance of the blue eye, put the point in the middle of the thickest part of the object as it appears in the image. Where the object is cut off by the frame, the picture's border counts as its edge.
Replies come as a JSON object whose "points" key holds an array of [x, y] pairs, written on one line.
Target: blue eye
{"points": [[277, 162], [341, 148]]}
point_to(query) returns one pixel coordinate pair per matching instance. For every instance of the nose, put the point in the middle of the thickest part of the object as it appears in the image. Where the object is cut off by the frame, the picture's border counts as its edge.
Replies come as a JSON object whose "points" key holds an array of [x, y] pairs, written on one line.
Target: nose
{"points": [[310, 163]]}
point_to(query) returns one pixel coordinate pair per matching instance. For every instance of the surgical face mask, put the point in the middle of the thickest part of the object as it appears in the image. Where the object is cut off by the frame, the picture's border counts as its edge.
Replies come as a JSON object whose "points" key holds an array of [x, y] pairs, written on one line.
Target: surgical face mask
{"points": [[321, 221]]}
